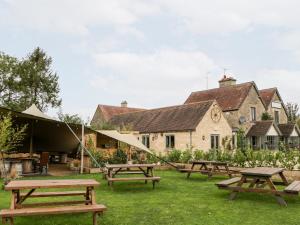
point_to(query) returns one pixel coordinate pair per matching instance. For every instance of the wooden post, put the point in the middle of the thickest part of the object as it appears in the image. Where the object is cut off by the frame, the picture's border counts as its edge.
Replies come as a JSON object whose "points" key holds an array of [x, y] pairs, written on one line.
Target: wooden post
{"points": [[31, 142], [82, 149]]}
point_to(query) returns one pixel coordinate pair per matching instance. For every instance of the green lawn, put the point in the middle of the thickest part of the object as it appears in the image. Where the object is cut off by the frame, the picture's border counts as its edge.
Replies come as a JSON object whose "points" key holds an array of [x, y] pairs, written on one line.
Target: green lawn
{"points": [[175, 200]]}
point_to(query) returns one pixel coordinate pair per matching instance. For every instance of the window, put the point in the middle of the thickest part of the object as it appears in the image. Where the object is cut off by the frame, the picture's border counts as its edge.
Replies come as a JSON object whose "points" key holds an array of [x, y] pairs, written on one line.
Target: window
{"points": [[271, 144], [276, 117], [146, 140], [170, 141], [253, 114], [254, 142], [233, 140], [214, 141]]}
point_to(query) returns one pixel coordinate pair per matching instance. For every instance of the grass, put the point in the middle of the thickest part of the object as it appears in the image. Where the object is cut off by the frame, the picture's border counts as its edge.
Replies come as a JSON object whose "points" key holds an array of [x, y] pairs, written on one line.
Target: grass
{"points": [[175, 200]]}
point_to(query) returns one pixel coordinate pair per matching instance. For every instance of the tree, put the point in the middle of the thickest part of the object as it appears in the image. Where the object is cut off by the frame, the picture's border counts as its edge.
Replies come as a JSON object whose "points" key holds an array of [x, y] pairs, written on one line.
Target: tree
{"points": [[10, 138], [292, 111], [8, 78], [68, 118], [266, 116], [29, 81]]}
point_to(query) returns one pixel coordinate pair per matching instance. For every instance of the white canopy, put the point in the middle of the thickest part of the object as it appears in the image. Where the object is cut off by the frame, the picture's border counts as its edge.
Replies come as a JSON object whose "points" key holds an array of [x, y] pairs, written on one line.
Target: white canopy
{"points": [[34, 111], [126, 138]]}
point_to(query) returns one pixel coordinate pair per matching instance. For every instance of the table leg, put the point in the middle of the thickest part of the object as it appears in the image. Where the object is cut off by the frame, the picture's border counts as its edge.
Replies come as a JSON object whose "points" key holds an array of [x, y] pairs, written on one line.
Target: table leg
{"points": [[285, 181], [13, 200], [87, 196], [233, 194], [93, 196], [228, 172], [189, 173], [278, 197]]}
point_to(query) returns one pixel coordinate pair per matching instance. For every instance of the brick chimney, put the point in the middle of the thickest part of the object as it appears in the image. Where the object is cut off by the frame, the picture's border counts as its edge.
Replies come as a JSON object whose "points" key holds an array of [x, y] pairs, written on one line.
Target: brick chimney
{"points": [[124, 104], [227, 81]]}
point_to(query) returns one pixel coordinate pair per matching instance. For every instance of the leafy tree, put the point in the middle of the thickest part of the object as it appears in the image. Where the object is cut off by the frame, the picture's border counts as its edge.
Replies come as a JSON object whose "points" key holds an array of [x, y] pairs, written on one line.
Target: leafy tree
{"points": [[8, 78], [292, 111], [10, 138], [29, 81], [68, 118], [298, 122], [266, 116]]}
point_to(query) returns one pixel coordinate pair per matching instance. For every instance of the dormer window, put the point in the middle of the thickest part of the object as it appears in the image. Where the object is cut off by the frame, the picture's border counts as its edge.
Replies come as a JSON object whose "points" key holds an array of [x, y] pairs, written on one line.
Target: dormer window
{"points": [[253, 114]]}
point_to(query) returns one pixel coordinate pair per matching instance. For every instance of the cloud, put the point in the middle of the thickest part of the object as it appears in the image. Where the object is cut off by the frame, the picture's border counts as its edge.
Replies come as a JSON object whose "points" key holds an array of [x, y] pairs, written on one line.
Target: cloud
{"points": [[219, 17], [287, 81], [163, 77], [73, 16]]}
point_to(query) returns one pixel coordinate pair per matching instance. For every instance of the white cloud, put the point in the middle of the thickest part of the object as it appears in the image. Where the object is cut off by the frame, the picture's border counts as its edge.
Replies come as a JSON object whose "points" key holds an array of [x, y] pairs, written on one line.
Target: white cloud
{"points": [[164, 77], [73, 16], [219, 16], [286, 81]]}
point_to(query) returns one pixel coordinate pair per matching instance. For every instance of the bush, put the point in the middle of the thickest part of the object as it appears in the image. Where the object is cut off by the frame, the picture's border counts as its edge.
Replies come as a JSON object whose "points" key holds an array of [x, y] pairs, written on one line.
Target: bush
{"points": [[198, 154], [186, 156], [174, 155], [119, 157]]}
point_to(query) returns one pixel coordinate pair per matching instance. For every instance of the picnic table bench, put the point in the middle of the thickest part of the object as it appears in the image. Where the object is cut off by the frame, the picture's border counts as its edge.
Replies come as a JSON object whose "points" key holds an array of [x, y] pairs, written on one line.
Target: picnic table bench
{"points": [[259, 180], [129, 169], [209, 168], [18, 208]]}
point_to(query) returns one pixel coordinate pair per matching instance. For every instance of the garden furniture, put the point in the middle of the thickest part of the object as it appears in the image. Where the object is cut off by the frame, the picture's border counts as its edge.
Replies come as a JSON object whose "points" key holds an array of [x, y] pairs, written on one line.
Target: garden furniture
{"points": [[18, 197], [209, 168], [130, 169], [259, 180]]}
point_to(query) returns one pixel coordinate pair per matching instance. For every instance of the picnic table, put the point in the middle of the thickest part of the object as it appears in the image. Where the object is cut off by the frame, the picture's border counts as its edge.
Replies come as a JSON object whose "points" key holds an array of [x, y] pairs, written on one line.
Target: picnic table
{"points": [[21, 190], [130, 169], [260, 180], [209, 168]]}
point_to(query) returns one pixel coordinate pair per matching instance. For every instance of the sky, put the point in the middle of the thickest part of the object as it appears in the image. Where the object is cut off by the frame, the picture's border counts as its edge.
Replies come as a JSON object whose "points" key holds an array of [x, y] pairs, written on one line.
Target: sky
{"points": [[153, 53]]}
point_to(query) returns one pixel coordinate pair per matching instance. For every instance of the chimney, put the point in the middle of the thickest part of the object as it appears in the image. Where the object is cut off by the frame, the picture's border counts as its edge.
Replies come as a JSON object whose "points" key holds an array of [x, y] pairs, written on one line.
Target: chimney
{"points": [[124, 104], [227, 81]]}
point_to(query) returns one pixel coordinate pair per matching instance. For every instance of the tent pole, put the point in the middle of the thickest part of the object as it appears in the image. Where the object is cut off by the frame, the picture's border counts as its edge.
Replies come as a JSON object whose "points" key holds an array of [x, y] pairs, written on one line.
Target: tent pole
{"points": [[82, 149], [31, 141]]}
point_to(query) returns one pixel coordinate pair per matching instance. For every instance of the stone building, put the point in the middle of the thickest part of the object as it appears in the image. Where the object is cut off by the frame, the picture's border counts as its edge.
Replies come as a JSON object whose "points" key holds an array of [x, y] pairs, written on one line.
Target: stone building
{"points": [[104, 113], [200, 125]]}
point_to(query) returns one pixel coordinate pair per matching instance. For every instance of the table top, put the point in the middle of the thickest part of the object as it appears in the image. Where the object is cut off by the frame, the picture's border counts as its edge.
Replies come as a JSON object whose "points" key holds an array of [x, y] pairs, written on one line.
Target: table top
{"points": [[33, 184], [112, 166], [207, 162], [262, 171]]}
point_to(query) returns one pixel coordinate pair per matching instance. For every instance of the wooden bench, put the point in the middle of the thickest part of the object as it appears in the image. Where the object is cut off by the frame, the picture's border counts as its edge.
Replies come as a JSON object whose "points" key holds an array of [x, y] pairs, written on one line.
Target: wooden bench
{"points": [[9, 214], [50, 194], [226, 183], [153, 179], [293, 188]]}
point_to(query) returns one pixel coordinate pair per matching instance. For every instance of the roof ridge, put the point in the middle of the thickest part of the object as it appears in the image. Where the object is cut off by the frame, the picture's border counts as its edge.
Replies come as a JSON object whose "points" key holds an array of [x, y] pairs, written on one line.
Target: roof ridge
{"points": [[249, 82], [115, 106], [168, 107]]}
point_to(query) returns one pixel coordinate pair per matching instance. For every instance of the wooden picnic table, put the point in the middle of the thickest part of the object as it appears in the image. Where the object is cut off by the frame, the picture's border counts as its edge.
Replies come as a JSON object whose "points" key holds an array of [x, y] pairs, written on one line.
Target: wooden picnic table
{"points": [[19, 196], [208, 167], [131, 169], [260, 180]]}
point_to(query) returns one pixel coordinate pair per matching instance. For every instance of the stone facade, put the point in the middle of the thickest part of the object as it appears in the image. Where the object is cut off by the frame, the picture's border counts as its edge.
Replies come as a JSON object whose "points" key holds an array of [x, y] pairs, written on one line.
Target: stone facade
{"points": [[282, 113], [198, 139]]}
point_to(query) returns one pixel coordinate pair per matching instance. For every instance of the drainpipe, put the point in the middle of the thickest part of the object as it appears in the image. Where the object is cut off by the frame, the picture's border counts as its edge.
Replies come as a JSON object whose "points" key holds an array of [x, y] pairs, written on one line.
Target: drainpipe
{"points": [[191, 140]]}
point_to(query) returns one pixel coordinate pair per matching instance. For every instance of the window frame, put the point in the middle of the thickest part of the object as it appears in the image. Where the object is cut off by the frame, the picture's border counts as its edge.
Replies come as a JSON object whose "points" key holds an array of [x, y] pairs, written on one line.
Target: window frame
{"points": [[146, 140], [215, 141], [253, 114], [169, 143]]}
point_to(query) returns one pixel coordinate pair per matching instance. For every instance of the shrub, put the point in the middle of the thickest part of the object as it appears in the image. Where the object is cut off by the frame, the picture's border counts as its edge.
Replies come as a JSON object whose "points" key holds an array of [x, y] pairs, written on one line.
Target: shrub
{"points": [[174, 155], [186, 156], [119, 157], [198, 154]]}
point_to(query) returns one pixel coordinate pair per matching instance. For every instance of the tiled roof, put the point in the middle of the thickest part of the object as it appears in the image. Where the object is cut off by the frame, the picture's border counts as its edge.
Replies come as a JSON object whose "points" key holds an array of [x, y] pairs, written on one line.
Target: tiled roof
{"points": [[287, 129], [229, 97], [267, 95], [261, 128], [175, 118], [109, 111]]}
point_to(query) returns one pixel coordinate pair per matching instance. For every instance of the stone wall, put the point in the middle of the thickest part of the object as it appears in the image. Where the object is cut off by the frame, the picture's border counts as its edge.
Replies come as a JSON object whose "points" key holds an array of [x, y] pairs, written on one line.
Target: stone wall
{"points": [[282, 114], [198, 139]]}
